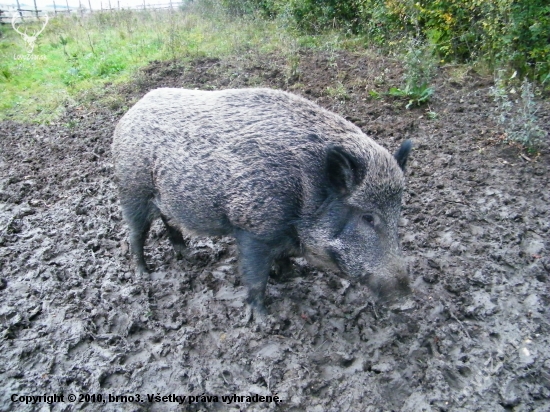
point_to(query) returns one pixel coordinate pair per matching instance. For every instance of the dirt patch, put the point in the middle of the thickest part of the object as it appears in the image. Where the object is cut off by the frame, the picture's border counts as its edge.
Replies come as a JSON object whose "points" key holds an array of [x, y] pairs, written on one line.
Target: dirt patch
{"points": [[475, 336]]}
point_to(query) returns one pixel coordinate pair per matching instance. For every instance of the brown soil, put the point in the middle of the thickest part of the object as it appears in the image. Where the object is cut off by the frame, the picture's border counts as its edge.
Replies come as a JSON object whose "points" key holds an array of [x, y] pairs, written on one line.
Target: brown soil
{"points": [[74, 319]]}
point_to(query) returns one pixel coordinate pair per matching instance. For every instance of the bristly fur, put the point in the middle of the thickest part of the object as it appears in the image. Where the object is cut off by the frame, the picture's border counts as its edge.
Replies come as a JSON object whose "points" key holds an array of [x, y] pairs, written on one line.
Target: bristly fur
{"points": [[251, 163]]}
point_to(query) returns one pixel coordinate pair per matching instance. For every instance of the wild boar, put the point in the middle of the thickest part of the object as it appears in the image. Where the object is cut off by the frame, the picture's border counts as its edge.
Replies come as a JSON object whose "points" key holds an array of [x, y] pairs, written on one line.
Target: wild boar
{"points": [[282, 175]]}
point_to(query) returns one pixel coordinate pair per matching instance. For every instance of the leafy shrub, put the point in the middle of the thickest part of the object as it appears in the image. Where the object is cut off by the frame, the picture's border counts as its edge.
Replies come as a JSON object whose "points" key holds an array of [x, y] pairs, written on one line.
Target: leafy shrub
{"points": [[501, 31], [419, 66], [516, 111], [510, 32], [417, 95]]}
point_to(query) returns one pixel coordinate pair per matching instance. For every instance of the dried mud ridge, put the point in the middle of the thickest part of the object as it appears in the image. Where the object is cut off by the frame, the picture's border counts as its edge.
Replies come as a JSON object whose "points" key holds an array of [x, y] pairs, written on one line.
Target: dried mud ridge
{"points": [[74, 319]]}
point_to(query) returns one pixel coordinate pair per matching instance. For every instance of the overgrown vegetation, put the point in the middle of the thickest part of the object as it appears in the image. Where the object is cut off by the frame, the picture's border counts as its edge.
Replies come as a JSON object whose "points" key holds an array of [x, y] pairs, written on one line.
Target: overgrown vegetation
{"points": [[502, 35], [501, 32], [77, 54], [419, 67], [517, 111]]}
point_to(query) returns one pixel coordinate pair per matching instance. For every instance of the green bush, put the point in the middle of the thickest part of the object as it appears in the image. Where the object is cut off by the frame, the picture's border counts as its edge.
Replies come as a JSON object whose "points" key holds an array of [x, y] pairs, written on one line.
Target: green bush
{"points": [[516, 111], [501, 32], [510, 32]]}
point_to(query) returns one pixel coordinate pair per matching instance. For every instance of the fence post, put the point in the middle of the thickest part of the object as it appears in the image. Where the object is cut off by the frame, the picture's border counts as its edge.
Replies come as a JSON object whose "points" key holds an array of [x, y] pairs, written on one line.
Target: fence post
{"points": [[90, 5], [19, 10], [110, 8], [54, 8], [68, 9]]}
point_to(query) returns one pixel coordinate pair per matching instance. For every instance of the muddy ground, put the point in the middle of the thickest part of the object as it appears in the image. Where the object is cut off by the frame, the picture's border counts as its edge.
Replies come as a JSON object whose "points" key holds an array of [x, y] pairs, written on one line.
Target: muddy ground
{"points": [[475, 336]]}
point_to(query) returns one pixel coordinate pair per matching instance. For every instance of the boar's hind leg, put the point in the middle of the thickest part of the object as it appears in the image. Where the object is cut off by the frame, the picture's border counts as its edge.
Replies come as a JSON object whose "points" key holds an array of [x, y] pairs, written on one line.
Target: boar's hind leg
{"points": [[176, 238], [138, 213], [255, 260]]}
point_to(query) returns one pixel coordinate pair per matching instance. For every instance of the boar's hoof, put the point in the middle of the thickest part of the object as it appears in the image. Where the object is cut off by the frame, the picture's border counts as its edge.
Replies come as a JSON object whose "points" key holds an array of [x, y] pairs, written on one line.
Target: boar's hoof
{"points": [[141, 270], [258, 316]]}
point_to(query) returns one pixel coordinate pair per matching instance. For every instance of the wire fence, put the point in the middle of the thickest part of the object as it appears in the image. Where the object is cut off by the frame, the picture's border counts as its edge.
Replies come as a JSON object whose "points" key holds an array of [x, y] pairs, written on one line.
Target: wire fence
{"points": [[7, 13]]}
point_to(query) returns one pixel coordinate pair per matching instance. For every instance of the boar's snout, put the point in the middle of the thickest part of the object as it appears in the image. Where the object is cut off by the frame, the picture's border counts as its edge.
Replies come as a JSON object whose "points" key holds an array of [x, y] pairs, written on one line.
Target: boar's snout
{"points": [[391, 282]]}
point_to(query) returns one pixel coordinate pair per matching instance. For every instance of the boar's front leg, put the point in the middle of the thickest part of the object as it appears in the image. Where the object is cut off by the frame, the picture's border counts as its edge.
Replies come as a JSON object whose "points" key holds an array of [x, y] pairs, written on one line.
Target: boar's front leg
{"points": [[256, 258]]}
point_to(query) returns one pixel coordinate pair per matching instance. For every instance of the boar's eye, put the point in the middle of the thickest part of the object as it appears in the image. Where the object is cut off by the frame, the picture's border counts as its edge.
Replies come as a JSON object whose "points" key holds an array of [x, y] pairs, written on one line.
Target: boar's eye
{"points": [[368, 219]]}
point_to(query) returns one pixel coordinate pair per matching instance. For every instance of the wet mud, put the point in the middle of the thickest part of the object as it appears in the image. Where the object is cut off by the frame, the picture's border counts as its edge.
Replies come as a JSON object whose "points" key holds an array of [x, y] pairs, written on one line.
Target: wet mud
{"points": [[475, 335]]}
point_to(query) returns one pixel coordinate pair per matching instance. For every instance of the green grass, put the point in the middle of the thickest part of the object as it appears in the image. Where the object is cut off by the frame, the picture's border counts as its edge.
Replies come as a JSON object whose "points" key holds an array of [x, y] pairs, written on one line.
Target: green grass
{"points": [[74, 55], [77, 58]]}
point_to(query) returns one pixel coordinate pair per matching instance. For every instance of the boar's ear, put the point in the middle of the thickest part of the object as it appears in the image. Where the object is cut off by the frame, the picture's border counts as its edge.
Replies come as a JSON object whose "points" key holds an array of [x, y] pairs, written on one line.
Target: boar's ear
{"points": [[343, 171], [403, 153]]}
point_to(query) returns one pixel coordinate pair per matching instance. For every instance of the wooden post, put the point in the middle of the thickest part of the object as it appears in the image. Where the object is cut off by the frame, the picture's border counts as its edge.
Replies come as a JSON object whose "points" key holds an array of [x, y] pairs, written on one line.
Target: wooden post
{"points": [[68, 9], [90, 6], [19, 9], [54, 8], [35, 10], [110, 8]]}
